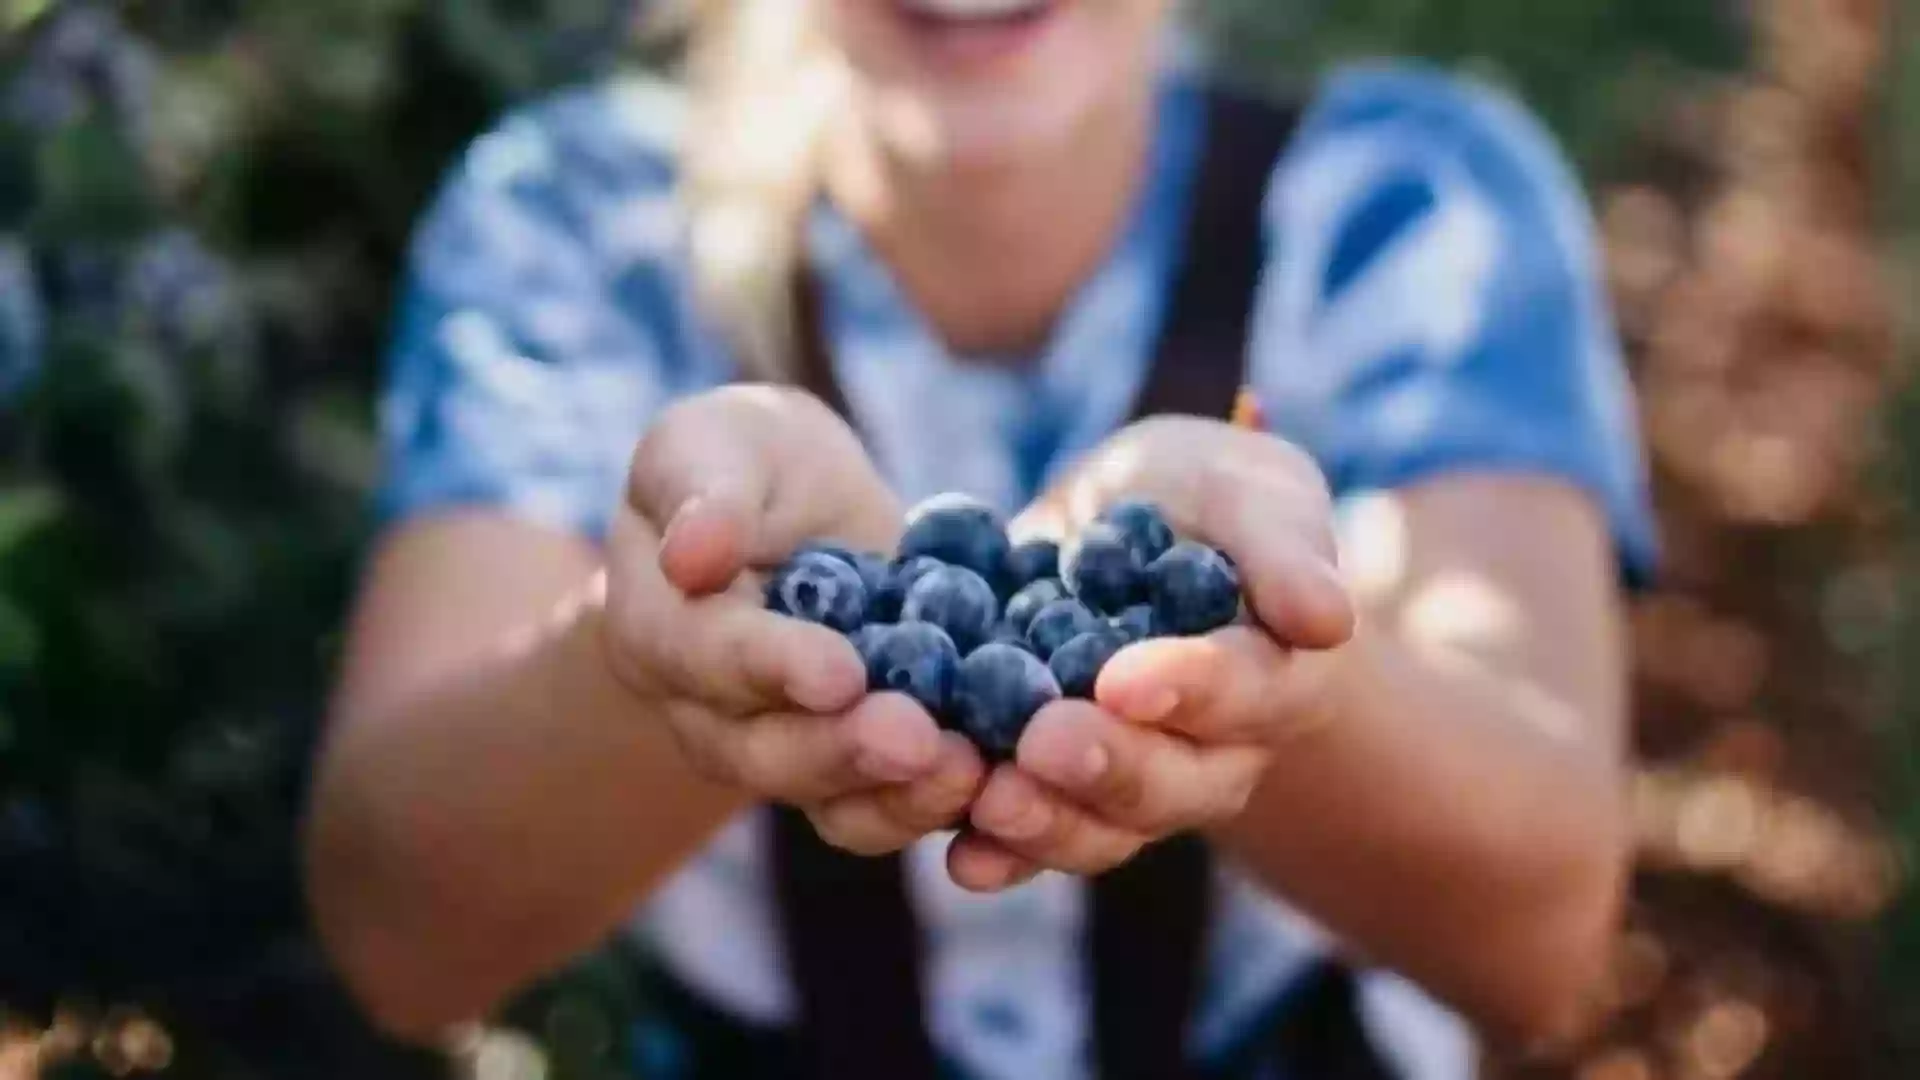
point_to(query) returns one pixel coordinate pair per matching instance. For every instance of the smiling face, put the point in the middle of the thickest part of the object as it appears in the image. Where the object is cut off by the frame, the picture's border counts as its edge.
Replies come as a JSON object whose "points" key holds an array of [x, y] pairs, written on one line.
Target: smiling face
{"points": [[979, 82]]}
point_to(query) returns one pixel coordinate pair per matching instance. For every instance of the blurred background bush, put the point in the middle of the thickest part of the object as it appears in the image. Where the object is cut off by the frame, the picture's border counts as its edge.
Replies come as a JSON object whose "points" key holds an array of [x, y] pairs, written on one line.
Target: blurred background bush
{"points": [[203, 204]]}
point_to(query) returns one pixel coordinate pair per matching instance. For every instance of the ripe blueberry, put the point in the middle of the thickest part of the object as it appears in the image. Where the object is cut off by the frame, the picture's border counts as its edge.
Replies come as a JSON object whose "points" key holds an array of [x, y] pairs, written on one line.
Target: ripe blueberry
{"points": [[1105, 573], [956, 600], [1059, 623], [1077, 664], [1032, 561], [916, 659], [1193, 590], [821, 589], [884, 606], [959, 531], [867, 637], [1135, 623], [871, 568], [1028, 601], [1005, 634], [999, 689], [1143, 527]]}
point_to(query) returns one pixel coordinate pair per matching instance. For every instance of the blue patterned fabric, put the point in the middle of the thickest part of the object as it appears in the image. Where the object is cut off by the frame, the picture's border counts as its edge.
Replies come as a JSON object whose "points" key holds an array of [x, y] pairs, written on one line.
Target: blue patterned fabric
{"points": [[1430, 303]]}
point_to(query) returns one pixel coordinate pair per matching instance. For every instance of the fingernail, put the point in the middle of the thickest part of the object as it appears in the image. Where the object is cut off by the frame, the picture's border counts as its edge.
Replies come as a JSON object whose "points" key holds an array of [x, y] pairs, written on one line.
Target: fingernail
{"points": [[681, 513], [1153, 708], [1094, 763]]}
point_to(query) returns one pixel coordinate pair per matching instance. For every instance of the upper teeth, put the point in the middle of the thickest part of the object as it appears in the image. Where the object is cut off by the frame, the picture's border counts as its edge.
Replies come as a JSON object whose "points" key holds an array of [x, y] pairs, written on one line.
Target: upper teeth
{"points": [[973, 9]]}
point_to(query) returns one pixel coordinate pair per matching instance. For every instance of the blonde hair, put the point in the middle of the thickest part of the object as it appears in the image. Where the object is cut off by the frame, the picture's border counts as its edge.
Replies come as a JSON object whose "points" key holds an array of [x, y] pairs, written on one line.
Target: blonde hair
{"points": [[762, 86]]}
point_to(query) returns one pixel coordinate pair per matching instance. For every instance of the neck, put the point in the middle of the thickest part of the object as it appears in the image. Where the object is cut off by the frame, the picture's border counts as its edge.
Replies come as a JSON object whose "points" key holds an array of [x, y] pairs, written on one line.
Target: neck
{"points": [[991, 254]]}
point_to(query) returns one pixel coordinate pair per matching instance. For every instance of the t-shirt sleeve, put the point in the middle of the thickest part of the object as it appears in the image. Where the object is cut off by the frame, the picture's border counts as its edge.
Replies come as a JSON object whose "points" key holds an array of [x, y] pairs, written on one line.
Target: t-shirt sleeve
{"points": [[516, 379], [1432, 301]]}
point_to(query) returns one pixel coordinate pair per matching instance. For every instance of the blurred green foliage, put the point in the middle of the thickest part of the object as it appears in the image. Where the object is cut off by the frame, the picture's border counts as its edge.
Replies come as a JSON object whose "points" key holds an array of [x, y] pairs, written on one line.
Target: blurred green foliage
{"points": [[1598, 72]]}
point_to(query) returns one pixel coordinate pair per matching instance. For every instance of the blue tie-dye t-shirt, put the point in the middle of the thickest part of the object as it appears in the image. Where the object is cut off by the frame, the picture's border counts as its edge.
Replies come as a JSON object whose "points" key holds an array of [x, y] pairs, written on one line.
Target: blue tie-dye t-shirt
{"points": [[1430, 303]]}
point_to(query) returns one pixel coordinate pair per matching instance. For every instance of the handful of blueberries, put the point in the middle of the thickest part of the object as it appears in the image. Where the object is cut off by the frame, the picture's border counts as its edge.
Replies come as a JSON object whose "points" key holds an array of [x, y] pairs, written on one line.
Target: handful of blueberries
{"points": [[983, 633]]}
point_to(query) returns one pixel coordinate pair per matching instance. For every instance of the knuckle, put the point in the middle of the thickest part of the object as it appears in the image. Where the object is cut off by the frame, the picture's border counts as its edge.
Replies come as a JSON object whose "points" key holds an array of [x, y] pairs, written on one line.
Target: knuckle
{"points": [[1124, 794], [1059, 841], [702, 752], [674, 422], [1166, 818], [762, 765]]}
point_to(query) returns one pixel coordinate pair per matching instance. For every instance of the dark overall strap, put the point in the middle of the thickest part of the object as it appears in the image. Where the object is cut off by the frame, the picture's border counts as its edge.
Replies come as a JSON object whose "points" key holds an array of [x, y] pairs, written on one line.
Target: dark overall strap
{"points": [[851, 938], [1147, 920], [852, 941]]}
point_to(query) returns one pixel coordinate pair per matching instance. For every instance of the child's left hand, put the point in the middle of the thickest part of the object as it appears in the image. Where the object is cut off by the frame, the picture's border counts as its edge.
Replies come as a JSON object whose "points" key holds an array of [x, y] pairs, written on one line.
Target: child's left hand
{"points": [[1183, 728]]}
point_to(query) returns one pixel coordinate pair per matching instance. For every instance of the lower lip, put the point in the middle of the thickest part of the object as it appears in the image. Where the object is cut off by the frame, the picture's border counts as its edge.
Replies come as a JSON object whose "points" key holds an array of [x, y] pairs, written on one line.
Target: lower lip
{"points": [[975, 41]]}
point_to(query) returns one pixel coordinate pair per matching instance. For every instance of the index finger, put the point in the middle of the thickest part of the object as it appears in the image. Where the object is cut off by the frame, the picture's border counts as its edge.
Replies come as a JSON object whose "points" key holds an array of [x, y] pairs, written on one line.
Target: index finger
{"points": [[1232, 686], [1145, 780], [741, 476], [1270, 511], [701, 476], [723, 648]]}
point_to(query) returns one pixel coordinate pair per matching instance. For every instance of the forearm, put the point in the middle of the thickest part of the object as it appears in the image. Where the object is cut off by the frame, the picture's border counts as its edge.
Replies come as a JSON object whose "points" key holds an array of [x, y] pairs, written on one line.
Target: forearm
{"points": [[1453, 824], [483, 832]]}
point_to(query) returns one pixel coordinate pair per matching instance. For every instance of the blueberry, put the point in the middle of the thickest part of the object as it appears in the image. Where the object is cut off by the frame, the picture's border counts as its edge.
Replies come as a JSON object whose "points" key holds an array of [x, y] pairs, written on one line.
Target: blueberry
{"points": [[884, 606], [867, 637], [916, 659], [1193, 590], [956, 600], [1028, 601], [959, 531], [821, 589], [871, 568], [1143, 526], [999, 689], [1135, 623], [1059, 623], [1105, 573], [874, 573], [1035, 560], [1076, 665], [1007, 635]]}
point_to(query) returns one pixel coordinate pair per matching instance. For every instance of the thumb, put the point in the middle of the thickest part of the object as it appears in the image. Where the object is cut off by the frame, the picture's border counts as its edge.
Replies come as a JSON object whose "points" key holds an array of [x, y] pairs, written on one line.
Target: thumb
{"points": [[707, 543], [704, 479]]}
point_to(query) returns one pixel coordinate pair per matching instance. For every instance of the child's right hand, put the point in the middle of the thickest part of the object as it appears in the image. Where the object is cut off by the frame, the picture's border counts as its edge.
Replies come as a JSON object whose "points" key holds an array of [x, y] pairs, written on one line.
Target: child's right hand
{"points": [[724, 483]]}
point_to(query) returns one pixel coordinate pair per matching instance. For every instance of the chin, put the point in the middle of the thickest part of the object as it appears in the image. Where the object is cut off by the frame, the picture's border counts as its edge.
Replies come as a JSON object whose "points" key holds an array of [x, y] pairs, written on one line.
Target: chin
{"points": [[967, 83], [968, 135]]}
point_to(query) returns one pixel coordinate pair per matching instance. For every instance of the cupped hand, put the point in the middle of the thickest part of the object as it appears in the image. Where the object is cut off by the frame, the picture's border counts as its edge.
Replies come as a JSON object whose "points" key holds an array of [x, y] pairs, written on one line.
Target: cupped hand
{"points": [[1182, 730], [725, 485]]}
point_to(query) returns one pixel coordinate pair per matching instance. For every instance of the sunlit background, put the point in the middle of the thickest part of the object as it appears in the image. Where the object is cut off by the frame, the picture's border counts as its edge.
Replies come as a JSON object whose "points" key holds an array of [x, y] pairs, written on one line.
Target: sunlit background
{"points": [[202, 205]]}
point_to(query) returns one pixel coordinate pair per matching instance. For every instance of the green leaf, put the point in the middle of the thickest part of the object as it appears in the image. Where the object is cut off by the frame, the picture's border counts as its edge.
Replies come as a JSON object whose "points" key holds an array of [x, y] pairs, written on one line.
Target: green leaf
{"points": [[19, 648], [24, 510]]}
